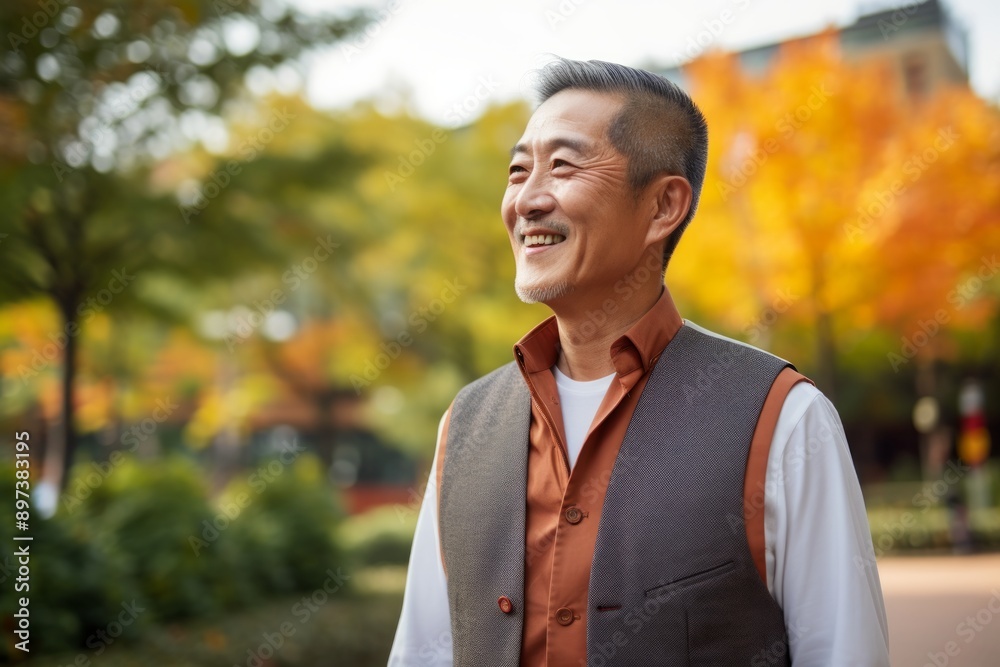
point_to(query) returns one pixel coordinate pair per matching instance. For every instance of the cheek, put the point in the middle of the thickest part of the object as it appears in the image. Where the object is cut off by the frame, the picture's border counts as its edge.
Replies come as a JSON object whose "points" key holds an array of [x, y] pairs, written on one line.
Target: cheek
{"points": [[507, 208]]}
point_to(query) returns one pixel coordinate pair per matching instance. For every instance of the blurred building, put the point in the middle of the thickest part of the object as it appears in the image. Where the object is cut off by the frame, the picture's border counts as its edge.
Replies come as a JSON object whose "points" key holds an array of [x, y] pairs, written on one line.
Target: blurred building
{"points": [[926, 43]]}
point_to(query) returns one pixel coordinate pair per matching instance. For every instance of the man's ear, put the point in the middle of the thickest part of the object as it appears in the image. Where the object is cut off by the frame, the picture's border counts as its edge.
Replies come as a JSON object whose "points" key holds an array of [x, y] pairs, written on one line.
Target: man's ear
{"points": [[669, 203]]}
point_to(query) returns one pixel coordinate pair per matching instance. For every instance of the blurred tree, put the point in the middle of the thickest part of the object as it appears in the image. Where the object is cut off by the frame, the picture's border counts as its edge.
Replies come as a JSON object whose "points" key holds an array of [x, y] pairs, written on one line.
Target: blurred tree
{"points": [[837, 211], [93, 94], [936, 241], [419, 297]]}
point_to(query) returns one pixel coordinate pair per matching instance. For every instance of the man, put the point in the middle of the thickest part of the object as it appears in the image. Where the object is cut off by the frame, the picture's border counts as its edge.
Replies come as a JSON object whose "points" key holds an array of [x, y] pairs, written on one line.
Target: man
{"points": [[632, 489]]}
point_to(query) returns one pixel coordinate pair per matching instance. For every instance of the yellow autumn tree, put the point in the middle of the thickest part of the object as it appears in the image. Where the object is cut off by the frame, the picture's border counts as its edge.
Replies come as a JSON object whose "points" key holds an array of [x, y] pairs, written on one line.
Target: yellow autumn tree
{"points": [[833, 203]]}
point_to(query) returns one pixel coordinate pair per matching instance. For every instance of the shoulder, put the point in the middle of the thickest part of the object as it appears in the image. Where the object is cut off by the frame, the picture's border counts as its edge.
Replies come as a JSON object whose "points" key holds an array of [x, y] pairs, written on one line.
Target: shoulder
{"points": [[737, 348], [500, 379], [501, 389], [713, 362], [805, 398], [809, 433]]}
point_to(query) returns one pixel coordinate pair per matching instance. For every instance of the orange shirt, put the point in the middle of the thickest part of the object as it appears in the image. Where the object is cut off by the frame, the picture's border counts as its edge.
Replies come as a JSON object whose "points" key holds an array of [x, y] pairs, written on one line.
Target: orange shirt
{"points": [[563, 507]]}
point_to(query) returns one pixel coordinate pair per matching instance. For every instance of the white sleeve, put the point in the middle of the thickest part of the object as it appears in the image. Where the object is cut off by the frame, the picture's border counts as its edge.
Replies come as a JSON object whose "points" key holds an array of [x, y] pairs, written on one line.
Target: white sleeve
{"points": [[423, 636], [820, 561]]}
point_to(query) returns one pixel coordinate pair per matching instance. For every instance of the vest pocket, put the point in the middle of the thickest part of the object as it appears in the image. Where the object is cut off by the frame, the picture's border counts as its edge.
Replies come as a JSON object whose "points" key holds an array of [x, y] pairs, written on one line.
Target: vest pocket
{"points": [[691, 579]]}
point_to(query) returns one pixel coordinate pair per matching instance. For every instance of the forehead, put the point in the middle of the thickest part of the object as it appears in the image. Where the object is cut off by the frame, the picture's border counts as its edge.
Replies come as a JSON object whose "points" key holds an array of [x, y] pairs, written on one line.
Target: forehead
{"points": [[581, 114]]}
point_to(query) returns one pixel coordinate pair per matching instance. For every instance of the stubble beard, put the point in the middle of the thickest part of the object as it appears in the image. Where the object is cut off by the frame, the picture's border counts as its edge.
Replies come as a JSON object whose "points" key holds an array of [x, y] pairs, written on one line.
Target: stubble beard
{"points": [[541, 293], [539, 290]]}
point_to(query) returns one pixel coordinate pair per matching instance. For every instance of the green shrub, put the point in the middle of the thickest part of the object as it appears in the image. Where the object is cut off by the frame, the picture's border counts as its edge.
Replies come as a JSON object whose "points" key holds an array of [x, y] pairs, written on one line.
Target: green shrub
{"points": [[286, 525], [349, 631], [146, 532], [919, 516], [382, 536], [147, 516], [72, 588]]}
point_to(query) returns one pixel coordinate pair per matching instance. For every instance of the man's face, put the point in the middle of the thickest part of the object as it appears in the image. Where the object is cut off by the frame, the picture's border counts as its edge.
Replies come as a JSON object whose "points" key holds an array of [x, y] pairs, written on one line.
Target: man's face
{"points": [[571, 215]]}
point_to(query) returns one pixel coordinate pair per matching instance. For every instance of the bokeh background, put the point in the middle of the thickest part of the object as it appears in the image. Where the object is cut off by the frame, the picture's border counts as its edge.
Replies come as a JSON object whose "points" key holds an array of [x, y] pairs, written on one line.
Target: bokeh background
{"points": [[250, 249]]}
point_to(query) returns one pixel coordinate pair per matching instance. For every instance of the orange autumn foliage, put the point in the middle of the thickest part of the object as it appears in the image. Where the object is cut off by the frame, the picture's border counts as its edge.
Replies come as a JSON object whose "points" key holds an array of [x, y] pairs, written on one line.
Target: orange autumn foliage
{"points": [[834, 198]]}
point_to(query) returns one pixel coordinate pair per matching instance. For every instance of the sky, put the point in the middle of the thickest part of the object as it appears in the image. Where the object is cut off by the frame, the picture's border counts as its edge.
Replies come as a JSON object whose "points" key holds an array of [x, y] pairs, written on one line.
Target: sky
{"points": [[445, 59]]}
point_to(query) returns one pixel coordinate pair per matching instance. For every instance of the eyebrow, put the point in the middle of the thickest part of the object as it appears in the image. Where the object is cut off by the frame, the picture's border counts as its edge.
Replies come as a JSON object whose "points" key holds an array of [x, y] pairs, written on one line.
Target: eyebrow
{"points": [[576, 145]]}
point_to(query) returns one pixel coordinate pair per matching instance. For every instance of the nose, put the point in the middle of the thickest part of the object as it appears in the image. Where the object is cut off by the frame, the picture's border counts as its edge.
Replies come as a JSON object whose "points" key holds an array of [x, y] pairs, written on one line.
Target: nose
{"points": [[534, 198]]}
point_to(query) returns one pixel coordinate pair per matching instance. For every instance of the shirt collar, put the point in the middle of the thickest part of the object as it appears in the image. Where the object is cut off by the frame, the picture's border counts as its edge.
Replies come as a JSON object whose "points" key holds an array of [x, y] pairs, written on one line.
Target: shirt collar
{"points": [[638, 348]]}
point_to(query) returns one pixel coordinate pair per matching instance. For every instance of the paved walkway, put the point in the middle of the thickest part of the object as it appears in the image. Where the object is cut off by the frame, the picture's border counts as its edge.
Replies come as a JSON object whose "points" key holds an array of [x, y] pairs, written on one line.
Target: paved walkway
{"points": [[943, 611]]}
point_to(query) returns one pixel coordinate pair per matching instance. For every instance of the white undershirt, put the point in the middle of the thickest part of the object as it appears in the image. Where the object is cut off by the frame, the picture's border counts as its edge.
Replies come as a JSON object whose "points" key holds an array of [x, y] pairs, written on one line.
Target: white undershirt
{"points": [[579, 401], [820, 560]]}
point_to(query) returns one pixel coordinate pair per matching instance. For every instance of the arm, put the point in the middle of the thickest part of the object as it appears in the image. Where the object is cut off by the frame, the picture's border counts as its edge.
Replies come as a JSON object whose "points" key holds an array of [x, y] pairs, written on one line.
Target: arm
{"points": [[423, 636], [820, 561]]}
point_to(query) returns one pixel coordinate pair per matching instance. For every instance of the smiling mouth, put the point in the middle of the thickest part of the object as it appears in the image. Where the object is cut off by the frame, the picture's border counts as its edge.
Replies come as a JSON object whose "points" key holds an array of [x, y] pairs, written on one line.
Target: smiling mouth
{"points": [[538, 240]]}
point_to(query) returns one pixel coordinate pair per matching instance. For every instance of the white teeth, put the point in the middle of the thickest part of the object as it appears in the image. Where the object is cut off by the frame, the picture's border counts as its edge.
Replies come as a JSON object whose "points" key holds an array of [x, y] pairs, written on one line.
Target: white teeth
{"points": [[543, 239]]}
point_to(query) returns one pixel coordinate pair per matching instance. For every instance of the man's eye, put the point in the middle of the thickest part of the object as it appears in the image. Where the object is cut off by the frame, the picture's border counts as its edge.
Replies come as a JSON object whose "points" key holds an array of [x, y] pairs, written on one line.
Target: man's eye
{"points": [[516, 169], [560, 163]]}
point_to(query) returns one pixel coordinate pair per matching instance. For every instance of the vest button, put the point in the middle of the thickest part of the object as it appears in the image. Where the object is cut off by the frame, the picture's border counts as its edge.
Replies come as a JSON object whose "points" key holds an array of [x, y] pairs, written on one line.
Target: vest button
{"points": [[506, 606], [564, 616], [574, 515]]}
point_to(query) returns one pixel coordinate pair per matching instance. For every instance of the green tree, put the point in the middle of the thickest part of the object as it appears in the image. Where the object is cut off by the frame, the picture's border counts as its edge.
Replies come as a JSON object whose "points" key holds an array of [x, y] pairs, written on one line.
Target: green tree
{"points": [[93, 96], [418, 296]]}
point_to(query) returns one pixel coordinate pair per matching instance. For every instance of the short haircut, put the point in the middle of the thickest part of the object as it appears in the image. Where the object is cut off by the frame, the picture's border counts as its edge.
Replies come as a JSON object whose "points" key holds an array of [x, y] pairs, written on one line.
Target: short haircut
{"points": [[659, 129]]}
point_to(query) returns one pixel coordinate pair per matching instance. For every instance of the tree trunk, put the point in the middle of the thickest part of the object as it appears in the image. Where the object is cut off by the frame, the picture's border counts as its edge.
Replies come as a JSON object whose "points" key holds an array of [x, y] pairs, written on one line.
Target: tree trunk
{"points": [[327, 431], [71, 331], [826, 352], [60, 444]]}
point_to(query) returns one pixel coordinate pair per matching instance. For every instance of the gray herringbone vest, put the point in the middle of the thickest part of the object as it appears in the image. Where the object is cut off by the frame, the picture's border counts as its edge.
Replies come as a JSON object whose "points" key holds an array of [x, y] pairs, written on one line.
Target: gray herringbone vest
{"points": [[672, 580]]}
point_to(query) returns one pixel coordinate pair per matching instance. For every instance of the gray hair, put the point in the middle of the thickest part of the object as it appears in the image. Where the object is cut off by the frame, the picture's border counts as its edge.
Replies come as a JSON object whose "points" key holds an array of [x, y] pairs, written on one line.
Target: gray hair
{"points": [[659, 129]]}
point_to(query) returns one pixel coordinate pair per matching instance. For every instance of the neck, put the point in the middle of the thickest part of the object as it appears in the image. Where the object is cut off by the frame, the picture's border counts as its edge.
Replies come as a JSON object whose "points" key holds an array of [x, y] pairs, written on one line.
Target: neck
{"points": [[586, 334]]}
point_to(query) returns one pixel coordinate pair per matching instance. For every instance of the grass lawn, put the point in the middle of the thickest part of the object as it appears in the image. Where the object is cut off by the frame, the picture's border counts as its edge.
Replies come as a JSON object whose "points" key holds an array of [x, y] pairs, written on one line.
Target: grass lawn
{"points": [[355, 629]]}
